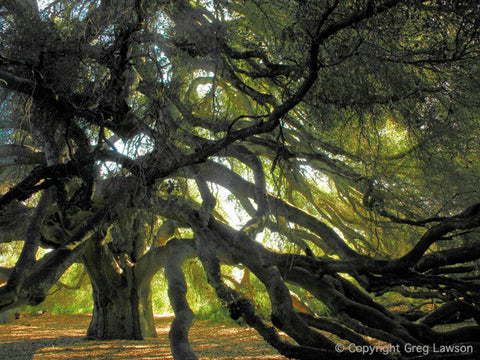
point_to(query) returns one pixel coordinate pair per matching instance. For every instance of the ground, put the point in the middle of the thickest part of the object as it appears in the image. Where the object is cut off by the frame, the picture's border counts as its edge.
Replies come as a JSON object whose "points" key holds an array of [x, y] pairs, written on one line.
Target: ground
{"points": [[63, 337]]}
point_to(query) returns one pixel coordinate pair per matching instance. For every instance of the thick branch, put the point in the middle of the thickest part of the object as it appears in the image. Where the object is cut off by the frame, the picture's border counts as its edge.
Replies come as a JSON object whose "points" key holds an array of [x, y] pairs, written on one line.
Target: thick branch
{"points": [[156, 258], [30, 184], [332, 242], [20, 155], [177, 293], [257, 222], [27, 260]]}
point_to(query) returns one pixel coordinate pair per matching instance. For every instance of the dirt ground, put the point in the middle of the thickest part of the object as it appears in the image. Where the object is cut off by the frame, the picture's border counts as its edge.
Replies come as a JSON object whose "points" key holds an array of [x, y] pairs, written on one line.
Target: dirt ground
{"points": [[62, 337]]}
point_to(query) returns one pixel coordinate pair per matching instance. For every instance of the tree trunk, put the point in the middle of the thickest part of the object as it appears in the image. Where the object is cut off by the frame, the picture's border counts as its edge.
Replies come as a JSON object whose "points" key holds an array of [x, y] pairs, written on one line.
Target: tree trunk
{"points": [[122, 309], [121, 313]]}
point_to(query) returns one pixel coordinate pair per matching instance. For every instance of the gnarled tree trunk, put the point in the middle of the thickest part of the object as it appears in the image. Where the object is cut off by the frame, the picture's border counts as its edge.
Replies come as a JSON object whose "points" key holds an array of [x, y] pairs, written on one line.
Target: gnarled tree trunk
{"points": [[122, 308], [121, 313]]}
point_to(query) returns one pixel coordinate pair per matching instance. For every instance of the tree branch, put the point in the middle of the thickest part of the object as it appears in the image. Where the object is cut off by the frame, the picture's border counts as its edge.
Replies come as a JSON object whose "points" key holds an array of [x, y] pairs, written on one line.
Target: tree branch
{"points": [[177, 292]]}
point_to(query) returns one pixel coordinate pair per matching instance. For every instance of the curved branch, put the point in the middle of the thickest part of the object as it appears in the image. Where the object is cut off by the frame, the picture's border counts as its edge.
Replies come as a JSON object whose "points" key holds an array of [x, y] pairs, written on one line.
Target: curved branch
{"points": [[257, 222], [177, 292], [447, 257], [332, 242], [218, 236], [29, 185], [333, 327], [468, 219], [12, 154], [209, 200], [156, 258], [26, 261]]}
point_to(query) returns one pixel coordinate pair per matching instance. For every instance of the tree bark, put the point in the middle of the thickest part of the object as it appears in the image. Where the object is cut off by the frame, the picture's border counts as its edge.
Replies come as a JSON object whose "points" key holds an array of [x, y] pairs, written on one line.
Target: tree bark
{"points": [[122, 313], [122, 303], [177, 293]]}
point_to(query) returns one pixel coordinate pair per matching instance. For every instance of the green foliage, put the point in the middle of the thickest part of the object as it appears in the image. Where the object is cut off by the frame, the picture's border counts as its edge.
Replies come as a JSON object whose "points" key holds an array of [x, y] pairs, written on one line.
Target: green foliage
{"points": [[9, 253], [73, 297], [160, 302], [213, 311], [201, 297]]}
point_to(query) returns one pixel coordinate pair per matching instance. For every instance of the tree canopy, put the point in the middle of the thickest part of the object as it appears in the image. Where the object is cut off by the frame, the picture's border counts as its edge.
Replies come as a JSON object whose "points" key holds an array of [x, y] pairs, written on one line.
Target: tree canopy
{"points": [[328, 149]]}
